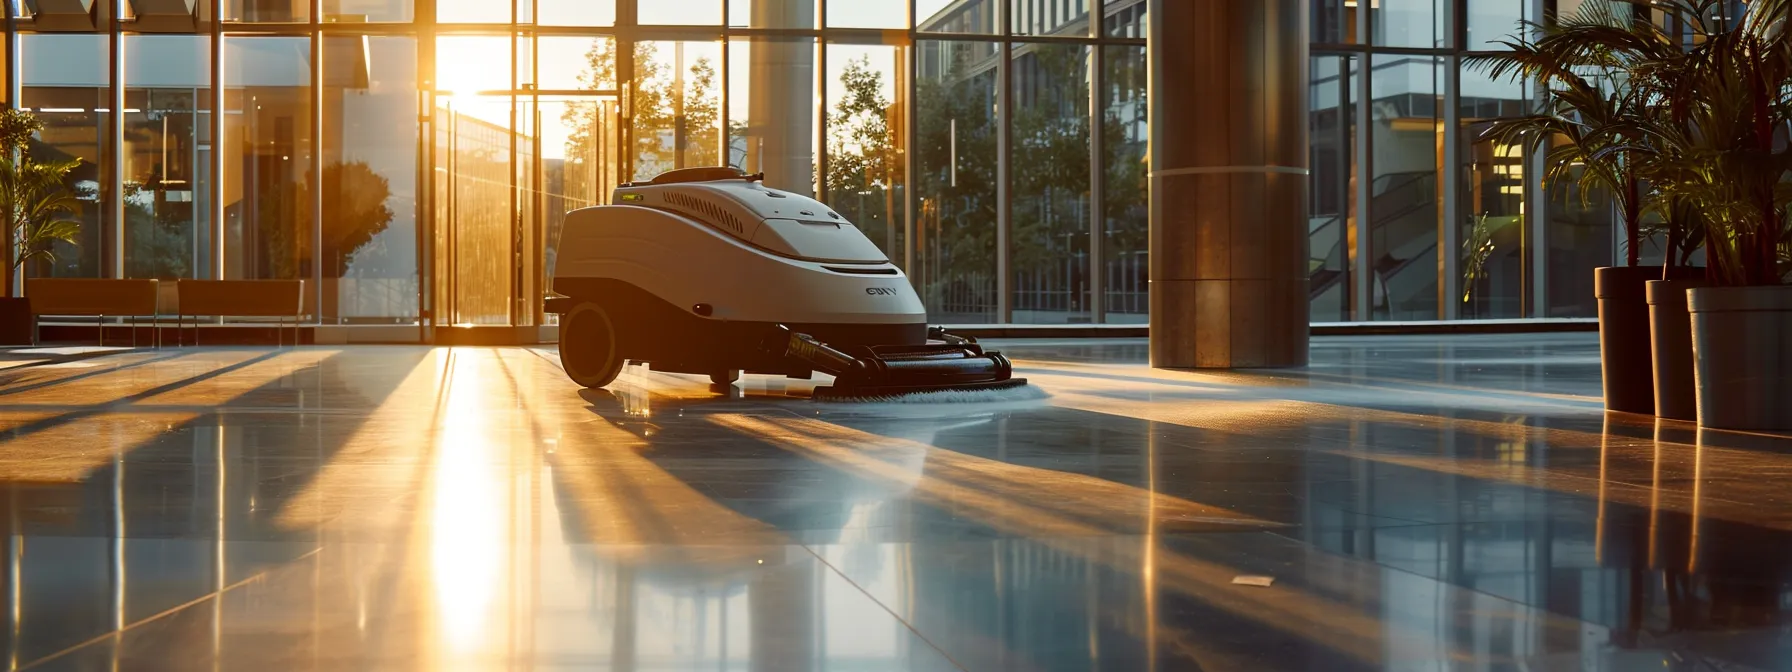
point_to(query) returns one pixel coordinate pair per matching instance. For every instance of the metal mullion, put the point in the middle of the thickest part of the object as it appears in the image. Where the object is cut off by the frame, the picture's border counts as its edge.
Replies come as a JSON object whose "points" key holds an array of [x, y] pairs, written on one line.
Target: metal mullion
{"points": [[353, 29], [1363, 49], [216, 196], [1053, 39], [515, 212], [1362, 277], [821, 119], [1449, 232], [12, 57], [1536, 212], [724, 153], [317, 160], [1097, 186], [280, 28], [910, 129], [113, 155], [550, 93], [1004, 169], [866, 36], [575, 31], [425, 204]]}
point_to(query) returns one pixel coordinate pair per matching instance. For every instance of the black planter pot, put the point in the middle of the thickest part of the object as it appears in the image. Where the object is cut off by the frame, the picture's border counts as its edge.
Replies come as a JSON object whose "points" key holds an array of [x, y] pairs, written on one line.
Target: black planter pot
{"points": [[1670, 345], [1742, 356], [1624, 365], [16, 325]]}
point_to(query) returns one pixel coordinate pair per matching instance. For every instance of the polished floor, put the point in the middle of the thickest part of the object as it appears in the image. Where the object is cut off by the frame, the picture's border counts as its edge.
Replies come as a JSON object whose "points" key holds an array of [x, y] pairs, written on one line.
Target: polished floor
{"points": [[1419, 503]]}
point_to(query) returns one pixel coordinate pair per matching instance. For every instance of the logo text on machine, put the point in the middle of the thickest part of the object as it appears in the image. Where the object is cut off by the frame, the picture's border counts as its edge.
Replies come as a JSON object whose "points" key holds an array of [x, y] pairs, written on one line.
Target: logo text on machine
{"points": [[880, 291]]}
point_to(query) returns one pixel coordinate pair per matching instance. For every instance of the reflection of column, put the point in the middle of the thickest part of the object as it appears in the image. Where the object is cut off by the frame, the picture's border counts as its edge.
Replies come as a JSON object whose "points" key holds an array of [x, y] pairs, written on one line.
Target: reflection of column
{"points": [[781, 98], [781, 618], [1228, 183]]}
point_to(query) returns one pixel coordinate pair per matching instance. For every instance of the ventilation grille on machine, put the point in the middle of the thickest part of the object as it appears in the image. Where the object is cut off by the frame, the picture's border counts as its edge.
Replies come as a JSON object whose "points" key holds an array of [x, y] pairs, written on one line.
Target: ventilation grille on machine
{"points": [[714, 214]]}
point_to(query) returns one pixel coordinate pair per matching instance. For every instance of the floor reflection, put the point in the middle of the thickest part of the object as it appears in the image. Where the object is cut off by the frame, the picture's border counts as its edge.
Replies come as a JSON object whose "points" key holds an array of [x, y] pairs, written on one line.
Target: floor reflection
{"points": [[1420, 503]]}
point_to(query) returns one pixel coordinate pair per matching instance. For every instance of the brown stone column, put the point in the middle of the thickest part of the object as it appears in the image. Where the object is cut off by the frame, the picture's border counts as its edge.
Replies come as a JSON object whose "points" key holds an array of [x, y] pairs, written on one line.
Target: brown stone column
{"points": [[1228, 183]]}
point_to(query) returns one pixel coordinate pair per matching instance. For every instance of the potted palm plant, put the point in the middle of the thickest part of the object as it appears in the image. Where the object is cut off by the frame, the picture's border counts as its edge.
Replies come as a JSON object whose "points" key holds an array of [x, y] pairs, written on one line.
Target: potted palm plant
{"points": [[1587, 130], [1731, 92], [35, 209]]}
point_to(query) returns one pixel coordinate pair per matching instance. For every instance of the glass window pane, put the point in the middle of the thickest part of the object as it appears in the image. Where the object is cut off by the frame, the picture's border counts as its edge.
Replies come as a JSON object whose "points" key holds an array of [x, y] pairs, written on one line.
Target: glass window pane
{"points": [[772, 111], [370, 179], [868, 13], [578, 159], [1403, 205], [576, 63], [958, 16], [865, 120], [1492, 22], [1331, 196], [1334, 21], [267, 147], [473, 11], [1049, 253], [677, 120], [1408, 23], [1125, 138], [1049, 17], [369, 11], [687, 12], [166, 161], [955, 154], [473, 63], [772, 14], [475, 209], [267, 11], [1127, 18], [1493, 196], [64, 80], [575, 12]]}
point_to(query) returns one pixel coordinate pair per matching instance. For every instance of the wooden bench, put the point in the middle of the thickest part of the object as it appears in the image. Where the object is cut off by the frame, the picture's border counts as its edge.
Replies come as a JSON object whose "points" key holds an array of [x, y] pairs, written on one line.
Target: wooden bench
{"points": [[95, 297], [283, 299]]}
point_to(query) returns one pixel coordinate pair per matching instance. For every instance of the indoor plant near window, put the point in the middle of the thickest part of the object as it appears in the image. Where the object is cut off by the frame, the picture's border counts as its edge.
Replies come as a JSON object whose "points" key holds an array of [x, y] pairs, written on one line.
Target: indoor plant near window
{"points": [[35, 209], [1590, 129], [1733, 95]]}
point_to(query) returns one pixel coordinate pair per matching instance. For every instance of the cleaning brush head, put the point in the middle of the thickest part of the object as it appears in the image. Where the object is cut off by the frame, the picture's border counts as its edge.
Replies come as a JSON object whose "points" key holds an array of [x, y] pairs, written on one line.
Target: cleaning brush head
{"points": [[1012, 389]]}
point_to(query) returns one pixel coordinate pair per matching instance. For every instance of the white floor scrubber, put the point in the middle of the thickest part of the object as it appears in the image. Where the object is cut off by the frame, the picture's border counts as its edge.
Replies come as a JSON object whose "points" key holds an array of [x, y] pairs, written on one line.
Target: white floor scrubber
{"points": [[706, 271]]}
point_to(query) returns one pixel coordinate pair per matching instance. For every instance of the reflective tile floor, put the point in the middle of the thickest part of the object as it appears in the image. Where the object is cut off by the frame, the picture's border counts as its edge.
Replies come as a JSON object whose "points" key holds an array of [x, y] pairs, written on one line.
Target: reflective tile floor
{"points": [[1421, 503]]}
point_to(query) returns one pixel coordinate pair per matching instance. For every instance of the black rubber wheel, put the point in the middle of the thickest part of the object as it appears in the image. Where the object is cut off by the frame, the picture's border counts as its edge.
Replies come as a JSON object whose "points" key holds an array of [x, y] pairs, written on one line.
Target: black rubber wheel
{"points": [[588, 346], [724, 377]]}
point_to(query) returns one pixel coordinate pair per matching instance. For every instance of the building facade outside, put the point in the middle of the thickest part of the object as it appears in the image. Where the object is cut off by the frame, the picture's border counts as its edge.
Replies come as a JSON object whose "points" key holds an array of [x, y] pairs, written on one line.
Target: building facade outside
{"points": [[414, 159]]}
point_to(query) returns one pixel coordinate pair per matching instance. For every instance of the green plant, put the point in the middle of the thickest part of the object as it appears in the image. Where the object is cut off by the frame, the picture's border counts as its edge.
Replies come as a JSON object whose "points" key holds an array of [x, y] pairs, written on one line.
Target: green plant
{"points": [[1675, 107], [1726, 103], [35, 201]]}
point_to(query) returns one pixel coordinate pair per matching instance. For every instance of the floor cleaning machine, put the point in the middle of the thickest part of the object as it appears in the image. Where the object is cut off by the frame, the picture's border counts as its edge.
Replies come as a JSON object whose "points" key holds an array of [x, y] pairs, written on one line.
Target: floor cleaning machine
{"points": [[707, 271]]}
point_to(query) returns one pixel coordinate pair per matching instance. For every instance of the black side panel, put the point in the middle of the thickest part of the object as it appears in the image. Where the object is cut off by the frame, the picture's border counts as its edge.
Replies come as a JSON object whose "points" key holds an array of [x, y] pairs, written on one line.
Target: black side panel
{"points": [[674, 338]]}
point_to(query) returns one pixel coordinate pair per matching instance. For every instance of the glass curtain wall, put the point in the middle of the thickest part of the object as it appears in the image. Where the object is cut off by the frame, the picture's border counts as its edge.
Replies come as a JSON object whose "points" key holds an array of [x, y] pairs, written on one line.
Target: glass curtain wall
{"points": [[1414, 216], [413, 161]]}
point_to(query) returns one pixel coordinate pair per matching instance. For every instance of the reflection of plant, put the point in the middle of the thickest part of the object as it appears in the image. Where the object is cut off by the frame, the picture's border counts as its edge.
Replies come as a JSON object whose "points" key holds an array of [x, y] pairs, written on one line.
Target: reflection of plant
{"points": [[354, 198], [35, 201], [160, 236], [1476, 250]]}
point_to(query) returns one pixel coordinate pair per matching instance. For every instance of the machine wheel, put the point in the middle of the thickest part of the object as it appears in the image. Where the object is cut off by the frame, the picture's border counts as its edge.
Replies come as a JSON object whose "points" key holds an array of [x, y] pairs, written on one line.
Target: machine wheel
{"points": [[588, 346], [724, 377]]}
